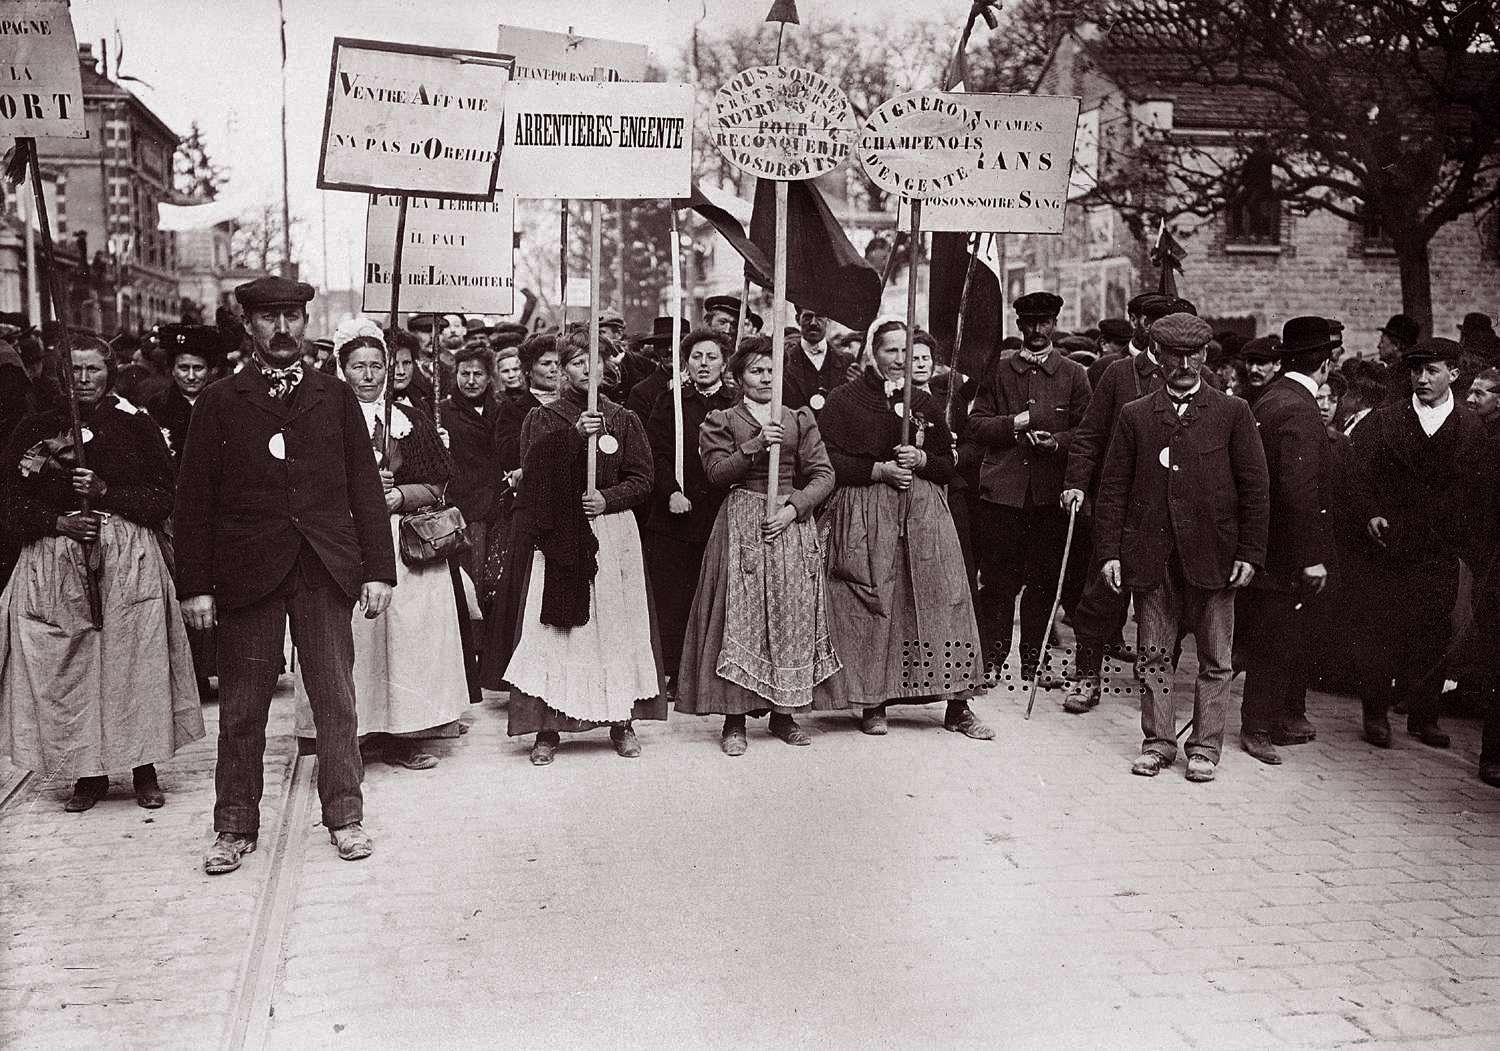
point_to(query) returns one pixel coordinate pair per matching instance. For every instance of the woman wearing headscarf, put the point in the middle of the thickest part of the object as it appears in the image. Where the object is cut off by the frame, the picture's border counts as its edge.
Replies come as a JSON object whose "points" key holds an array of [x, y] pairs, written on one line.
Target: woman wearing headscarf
{"points": [[679, 518], [571, 634], [76, 701], [902, 618], [409, 683], [757, 636]]}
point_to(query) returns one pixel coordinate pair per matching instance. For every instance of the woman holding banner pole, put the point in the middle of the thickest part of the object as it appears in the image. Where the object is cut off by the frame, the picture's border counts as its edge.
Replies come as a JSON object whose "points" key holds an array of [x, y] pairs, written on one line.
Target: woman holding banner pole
{"points": [[571, 635], [902, 618]]}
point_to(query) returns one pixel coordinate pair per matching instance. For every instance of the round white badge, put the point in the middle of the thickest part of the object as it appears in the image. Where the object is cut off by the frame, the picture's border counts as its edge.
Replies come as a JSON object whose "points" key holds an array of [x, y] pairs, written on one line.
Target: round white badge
{"points": [[1165, 456], [609, 444], [277, 445], [899, 409], [86, 434], [816, 402]]}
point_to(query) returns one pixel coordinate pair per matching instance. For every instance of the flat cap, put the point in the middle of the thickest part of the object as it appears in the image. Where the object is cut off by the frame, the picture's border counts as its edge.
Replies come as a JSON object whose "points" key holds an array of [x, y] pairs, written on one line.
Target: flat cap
{"points": [[273, 291], [1181, 331], [419, 323], [204, 341], [1115, 330], [612, 317], [1262, 348], [1038, 304], [724, 304], [1433, 348]]}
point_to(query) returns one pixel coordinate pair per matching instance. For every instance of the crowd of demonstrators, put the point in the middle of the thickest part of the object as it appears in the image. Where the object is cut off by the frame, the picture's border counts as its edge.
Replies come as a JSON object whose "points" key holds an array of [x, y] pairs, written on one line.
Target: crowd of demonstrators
{"points": [[1269, 496]]}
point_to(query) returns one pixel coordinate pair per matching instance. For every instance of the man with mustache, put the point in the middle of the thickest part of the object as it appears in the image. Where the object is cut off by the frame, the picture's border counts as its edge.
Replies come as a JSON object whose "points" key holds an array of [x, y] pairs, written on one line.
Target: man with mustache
{"points": [[1023, 419], [1262, 358], [812, 367], [1182, 516], [280, 514]]}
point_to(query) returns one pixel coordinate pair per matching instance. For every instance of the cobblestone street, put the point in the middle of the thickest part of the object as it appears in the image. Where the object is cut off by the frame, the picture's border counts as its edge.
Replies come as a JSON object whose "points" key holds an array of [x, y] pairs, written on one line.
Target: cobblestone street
{"points": [[916, 890]]}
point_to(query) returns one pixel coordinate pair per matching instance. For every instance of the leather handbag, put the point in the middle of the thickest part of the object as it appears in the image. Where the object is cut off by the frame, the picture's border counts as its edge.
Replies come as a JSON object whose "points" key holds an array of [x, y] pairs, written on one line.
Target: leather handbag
{"points": [[434, 534]]}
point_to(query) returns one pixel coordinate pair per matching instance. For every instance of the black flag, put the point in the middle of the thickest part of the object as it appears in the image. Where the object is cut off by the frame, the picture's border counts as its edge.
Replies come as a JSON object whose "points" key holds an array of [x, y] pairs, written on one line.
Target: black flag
{"points": [[982, 313], [824, 272]]}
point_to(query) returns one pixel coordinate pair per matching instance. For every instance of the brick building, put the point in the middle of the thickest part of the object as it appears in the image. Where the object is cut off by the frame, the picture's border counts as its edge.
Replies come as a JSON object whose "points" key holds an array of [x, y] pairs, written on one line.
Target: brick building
{"points": [[120, 267], [1249, 269]]}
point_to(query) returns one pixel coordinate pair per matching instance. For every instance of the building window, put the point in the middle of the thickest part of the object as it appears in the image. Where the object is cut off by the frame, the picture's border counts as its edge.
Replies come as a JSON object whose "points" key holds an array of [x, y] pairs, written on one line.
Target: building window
{"points": [[1374, 238], [1253, 213]]}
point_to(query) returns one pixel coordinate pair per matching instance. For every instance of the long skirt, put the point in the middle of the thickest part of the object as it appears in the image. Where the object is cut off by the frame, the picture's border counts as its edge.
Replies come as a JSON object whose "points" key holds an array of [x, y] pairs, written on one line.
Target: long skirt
{"points": [[757, 637], [75, 702], [408, 662], [898, 596], [603, 672]]}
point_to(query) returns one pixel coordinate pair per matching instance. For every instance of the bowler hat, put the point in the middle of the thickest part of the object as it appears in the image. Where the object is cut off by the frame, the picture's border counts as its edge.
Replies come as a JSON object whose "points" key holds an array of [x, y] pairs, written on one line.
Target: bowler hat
{"points": [[273, 292], [1403, 330], [661, 332], [1115, 330], [1262, 348], [1476, 324], [1181, 332], [1038, 305], [1309, 335], [1433, 348]]}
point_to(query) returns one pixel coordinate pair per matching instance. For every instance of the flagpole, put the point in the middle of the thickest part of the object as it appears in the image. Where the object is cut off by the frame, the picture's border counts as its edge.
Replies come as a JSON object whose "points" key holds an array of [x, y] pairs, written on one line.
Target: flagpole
{"points": [[911, 321], [673, 357], [390, 354], [958, 332], [778, 343]]}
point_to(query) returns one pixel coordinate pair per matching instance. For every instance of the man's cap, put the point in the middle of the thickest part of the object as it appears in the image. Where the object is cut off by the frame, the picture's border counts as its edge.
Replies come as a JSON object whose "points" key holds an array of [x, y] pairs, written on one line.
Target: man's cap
{"points": [[726, 304], [1262, 348], [419, 323], [1433, 348], [612, 317], [1403, 330], [273, 292], [1079, 348], [1115, 330], [1153, 305], [1310, 334], [475, 326], [204, 341], [1475, 323], [661, 332], [1039, 305], [1182, 332]]}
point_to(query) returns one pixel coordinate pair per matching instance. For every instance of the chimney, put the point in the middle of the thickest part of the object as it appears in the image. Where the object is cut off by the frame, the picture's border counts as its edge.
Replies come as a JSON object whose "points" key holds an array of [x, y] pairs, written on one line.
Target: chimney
{"points": [[86, 57]]}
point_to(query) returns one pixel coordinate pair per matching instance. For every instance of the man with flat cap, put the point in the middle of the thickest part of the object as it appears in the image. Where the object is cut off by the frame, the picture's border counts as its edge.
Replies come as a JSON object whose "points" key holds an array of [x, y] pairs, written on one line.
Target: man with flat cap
{"points": [[1262, 357], [722, 313], [1277, 613], [194, 354], [1023, 418], [281, 514], [1419, 491], [1181, 523], [1100, 615], [1115, 334]]}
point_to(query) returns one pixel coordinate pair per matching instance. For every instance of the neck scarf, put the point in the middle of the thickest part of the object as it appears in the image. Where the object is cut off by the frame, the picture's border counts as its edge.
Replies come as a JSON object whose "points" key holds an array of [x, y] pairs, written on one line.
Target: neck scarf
{"points": [[1033, 358], [282, 381]]}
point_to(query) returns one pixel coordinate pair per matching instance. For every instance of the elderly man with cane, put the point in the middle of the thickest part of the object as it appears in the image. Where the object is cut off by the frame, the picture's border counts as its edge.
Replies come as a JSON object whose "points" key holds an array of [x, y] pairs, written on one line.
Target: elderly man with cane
{"points": [[1182, 515]]}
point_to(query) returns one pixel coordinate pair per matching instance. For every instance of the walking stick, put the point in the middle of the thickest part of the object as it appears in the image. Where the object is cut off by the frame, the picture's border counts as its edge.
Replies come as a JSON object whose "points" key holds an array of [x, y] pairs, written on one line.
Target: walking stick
{"points": [[1056, 601]]}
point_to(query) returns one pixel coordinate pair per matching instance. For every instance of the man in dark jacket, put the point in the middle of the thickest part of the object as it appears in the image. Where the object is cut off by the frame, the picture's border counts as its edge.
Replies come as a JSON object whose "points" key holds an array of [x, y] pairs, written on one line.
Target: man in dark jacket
{"points": [[1181, 522], [1023, 419], [1279, 606], [812, 368], [1419, 489], [280, 512]]}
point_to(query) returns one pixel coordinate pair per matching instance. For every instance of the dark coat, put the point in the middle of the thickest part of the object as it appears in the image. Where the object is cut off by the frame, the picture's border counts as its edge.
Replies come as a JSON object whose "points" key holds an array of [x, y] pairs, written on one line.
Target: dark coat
{"points": [[1300, 464], [171, 410], [1056, 394], [242, 515], [694, 526], [1123, 381], [1213, 501], [860, 430], [800, 381], [643, 396], [513, 410], [474, 442]]}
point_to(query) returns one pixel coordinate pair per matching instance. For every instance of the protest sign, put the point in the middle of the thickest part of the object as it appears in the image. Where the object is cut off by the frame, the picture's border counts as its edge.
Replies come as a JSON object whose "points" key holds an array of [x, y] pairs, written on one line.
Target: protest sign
{"points": [[598, 140], [921, 144], [42, 93], [457, 258], [417, 120], [1020, 182], [541, 55], [778, 122]]}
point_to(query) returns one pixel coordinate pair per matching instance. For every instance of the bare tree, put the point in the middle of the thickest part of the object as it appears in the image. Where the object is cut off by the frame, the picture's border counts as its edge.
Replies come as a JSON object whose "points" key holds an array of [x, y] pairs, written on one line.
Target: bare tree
{"points": [[257, 239], [1385, 113]]}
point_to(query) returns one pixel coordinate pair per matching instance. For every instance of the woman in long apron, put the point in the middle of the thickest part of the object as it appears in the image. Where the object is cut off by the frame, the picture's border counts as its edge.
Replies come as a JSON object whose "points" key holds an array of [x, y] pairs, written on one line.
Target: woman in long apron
{"points": [[903, 621], [757, 637], [571, 636]]}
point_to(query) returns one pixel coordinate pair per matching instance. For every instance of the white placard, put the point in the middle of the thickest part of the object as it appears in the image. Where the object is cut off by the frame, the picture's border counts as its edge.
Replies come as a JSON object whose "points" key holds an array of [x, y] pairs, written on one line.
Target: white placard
{"points": [[541, 55], [417, 120], [1021, 182], [920, 145], [778, 122], [598, 140], [458, 257], [41, 88]]}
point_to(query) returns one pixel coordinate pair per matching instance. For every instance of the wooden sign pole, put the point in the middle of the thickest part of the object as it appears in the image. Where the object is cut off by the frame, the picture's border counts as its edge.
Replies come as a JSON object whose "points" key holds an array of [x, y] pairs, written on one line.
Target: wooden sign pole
{"points": [[437, 373], [597, 220], [913, 246], [674, 359], [562, 270], [778, 343], [390, 357]]}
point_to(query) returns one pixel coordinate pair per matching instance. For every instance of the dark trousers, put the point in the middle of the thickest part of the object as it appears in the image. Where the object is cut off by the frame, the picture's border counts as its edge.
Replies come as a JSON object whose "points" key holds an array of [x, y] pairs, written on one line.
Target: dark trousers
{"points": [[1019, 551], [672, 568], [1163, 615], [1411, 636], [1099, 615], [1276, 635], [250, 650], [959, 501]]}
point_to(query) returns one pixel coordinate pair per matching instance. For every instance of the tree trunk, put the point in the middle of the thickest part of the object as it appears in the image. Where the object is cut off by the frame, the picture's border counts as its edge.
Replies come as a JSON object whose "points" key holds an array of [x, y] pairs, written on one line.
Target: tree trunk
{"points": [[1416, 280]]}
